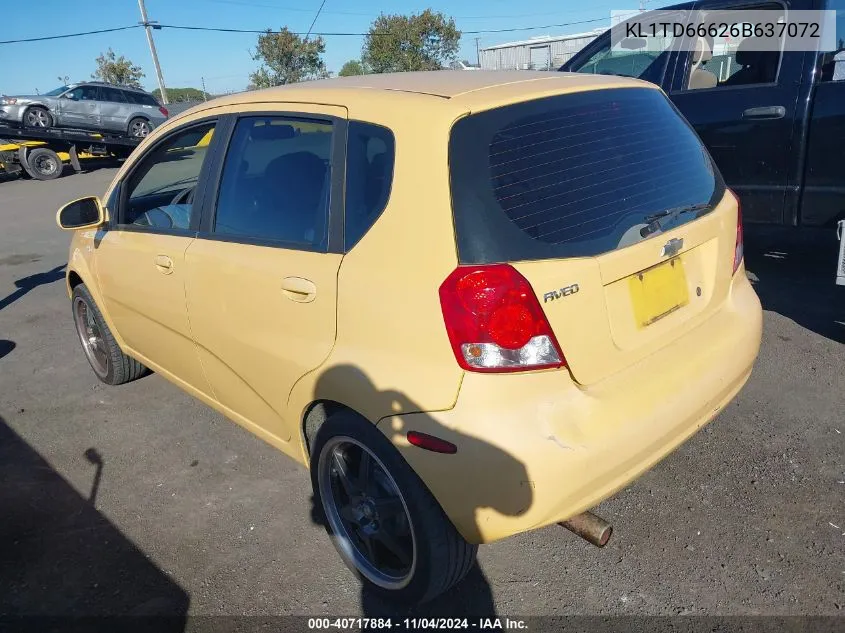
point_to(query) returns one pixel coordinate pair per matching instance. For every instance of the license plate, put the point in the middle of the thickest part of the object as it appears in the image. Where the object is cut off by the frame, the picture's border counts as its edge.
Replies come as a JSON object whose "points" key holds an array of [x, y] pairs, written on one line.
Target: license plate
{"points": [[658, 291]]}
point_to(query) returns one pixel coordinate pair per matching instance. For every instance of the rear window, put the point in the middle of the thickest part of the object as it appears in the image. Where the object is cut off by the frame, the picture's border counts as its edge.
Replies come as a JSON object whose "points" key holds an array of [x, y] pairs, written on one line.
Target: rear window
{"points": [[574, 175]]}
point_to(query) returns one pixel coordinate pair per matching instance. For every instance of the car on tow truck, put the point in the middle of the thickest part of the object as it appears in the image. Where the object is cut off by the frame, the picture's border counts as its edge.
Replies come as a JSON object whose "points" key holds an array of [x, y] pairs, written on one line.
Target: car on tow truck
{"points": [[89, 105]]}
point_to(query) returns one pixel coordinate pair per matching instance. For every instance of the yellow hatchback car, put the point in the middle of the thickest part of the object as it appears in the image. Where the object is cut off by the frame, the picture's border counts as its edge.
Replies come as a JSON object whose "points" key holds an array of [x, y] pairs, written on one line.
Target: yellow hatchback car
{"points": [[474, 304]]}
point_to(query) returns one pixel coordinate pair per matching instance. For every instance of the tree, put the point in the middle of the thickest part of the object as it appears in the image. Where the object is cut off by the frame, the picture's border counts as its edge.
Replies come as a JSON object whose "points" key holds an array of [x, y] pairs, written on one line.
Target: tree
{"points": [[286, 58], [117, 70], [175, 95], [352, 67], [427, 41]]}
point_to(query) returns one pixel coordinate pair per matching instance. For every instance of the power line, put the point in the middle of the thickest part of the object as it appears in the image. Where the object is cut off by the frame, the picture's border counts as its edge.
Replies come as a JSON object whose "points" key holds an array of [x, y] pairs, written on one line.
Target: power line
{"points": [[183, 27], [314, 21], [59, 37], [350, 34]]}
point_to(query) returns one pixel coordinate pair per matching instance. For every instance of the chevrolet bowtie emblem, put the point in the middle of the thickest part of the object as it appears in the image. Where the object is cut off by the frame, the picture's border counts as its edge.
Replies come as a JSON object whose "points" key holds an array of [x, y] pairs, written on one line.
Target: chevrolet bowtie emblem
{"points": [[672, 247]]}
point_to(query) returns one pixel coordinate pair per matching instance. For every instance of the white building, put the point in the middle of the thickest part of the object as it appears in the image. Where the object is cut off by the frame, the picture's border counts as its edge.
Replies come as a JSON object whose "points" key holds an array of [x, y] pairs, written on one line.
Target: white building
{"points": [[546, 52]]}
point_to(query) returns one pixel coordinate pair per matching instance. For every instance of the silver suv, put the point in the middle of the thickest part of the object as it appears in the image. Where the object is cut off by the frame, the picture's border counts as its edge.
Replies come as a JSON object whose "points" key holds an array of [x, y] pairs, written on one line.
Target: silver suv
{"points": [[89, 104]]}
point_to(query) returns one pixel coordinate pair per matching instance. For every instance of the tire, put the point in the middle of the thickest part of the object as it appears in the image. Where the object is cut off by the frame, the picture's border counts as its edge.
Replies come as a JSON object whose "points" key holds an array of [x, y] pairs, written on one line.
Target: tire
{"points": [[438, 558], [104, 355], [139, 127], [44, 164], [38, 116]]}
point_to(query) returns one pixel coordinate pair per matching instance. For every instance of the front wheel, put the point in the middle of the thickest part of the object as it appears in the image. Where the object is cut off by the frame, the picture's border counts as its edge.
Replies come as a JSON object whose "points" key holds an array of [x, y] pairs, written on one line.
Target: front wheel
{"points": [[104, 355], [383, 521], [37, 116]]}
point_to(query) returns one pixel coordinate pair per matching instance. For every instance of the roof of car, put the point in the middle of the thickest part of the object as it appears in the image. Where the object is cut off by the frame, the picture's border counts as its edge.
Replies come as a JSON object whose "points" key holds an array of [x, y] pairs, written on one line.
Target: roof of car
{"points": [[446, 84], [449, 91], [109, 85]]}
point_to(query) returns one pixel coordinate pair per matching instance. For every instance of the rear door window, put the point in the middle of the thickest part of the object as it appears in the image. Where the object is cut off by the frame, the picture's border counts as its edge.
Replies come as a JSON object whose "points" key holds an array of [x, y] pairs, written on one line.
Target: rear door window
{"points": [[112, 94], [575, 175]]}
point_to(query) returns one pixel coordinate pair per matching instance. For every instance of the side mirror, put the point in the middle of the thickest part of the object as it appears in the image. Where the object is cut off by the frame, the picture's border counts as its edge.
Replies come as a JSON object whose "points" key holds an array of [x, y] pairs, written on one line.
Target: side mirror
{"points": [[85, 213]]}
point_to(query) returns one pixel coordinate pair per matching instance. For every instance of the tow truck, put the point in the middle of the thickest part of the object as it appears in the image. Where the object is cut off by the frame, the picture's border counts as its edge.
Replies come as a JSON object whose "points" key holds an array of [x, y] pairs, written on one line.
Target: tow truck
{"points": [[42, 153]]}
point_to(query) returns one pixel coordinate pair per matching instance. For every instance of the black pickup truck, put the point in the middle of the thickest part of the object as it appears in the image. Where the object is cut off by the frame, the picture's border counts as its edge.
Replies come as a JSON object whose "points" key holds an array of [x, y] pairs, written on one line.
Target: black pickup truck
{"points": [[774, 122]]}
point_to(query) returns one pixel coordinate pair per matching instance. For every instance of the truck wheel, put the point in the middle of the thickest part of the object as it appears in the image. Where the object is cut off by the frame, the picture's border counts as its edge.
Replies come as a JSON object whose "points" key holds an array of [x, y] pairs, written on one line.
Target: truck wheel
{"points": [[383, 521], [104, 355], [36, 116], [139, 128], [44, 164]]}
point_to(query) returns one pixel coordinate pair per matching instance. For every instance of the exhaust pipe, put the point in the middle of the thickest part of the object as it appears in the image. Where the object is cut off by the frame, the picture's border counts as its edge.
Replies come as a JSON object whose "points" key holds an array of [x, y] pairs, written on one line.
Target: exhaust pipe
{"points": [[590, 527]]}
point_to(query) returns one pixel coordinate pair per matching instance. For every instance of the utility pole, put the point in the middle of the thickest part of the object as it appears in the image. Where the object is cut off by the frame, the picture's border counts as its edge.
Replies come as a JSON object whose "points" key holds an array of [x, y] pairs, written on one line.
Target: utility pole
{"points": [[148, 26], [204, 93], [477, 54]]}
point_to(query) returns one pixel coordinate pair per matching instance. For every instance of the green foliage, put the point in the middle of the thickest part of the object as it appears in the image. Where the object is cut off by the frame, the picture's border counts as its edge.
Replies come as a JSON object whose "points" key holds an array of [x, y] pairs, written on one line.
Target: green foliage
{"points": [[352, 67], [427, 41], [175, 95], [117, 70], [286, 58]]}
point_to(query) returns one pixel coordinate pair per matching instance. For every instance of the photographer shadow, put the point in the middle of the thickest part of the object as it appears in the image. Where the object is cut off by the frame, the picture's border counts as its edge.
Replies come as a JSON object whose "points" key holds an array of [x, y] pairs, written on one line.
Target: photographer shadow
{"points": [[472, 597]]}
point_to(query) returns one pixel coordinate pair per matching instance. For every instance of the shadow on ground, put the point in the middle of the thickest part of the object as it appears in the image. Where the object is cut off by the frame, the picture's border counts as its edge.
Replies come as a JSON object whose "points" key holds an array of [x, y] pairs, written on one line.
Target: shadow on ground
{"points": [[6, 347], [25, 284], [794, 272], [63, 565]]}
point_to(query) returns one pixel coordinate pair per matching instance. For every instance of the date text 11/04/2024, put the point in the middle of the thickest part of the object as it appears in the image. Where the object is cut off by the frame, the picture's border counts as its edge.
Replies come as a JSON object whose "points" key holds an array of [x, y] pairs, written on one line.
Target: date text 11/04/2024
{"points": [[412, 624]]}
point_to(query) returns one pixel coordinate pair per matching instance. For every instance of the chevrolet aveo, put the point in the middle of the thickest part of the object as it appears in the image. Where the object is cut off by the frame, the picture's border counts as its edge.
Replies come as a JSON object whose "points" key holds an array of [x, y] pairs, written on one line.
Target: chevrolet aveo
{"points": [[473, 304]]}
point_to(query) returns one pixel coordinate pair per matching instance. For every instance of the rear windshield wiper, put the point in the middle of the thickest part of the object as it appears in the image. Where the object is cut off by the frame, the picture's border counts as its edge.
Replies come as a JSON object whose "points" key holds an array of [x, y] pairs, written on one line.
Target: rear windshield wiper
{"points": [[654, 219], [674, 212]]}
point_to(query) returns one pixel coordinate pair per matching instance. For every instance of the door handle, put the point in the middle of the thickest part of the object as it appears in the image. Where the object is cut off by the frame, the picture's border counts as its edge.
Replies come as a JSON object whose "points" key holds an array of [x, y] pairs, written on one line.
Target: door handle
{"points": [[164, 264], [765, 112], [299, 289]]}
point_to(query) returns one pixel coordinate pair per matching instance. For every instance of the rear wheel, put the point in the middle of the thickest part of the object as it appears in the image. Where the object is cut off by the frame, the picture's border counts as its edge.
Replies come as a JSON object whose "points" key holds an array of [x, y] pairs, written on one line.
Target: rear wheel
{"points": [[139, 128], [383, 521], [104, 355], [44, 164], [37, 116]]}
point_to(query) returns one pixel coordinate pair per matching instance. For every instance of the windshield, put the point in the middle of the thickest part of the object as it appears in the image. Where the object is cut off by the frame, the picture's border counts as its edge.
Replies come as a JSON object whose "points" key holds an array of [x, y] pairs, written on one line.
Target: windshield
{"points": [[56, 92]]}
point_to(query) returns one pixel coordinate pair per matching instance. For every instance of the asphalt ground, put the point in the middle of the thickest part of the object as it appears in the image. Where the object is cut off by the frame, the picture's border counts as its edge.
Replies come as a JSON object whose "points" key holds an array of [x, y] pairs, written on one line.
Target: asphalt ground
{"points": [[140, 500]]}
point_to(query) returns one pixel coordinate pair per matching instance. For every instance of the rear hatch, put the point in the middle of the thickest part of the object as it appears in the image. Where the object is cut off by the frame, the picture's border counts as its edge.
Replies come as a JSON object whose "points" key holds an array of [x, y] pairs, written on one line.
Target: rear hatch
{"points": [[608, 204]]}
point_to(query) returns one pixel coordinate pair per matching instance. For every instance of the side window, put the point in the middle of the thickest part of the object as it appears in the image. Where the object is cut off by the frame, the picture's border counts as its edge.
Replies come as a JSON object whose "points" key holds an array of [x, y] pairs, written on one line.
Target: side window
{"points": [[833, 62], [90, 93], [83, 93], [276, 181], [731, 61], [369, 175], [160, 191], [113, 94]]}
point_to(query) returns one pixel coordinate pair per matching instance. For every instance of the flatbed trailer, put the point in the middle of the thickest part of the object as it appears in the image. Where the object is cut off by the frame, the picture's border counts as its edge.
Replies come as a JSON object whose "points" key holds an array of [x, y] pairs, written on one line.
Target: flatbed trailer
{"points": [[42, 153]]}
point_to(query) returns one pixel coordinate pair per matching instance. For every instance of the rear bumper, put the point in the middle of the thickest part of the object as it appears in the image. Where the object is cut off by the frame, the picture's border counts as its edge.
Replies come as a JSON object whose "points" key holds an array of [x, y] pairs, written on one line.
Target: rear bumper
{"points": [[535, 449]]}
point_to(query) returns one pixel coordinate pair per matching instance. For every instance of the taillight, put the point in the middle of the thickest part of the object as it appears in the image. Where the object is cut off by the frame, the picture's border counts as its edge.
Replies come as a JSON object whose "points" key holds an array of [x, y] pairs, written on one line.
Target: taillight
{"points": [[739, 247], [164, 111], [494, 321]]}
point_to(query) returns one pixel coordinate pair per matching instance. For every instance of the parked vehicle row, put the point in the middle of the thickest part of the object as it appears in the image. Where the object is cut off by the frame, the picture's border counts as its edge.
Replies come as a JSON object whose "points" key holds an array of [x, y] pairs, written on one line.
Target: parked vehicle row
{"points": [[473, 304]]}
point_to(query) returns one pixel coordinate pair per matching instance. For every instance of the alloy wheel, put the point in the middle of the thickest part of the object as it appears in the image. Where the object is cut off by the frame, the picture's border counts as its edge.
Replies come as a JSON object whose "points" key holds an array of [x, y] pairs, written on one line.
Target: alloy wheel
{"points": [[367, 513], [91, 337]]}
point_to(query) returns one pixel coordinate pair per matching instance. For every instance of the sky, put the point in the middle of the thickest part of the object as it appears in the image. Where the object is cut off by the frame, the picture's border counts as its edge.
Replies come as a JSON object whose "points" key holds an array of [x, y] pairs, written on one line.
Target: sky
{"points": [[223, 59]]}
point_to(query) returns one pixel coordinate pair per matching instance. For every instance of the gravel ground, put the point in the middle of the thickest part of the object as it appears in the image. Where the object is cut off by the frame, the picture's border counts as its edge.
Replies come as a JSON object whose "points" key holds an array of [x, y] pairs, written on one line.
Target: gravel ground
{"points": [[140, 500]]}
